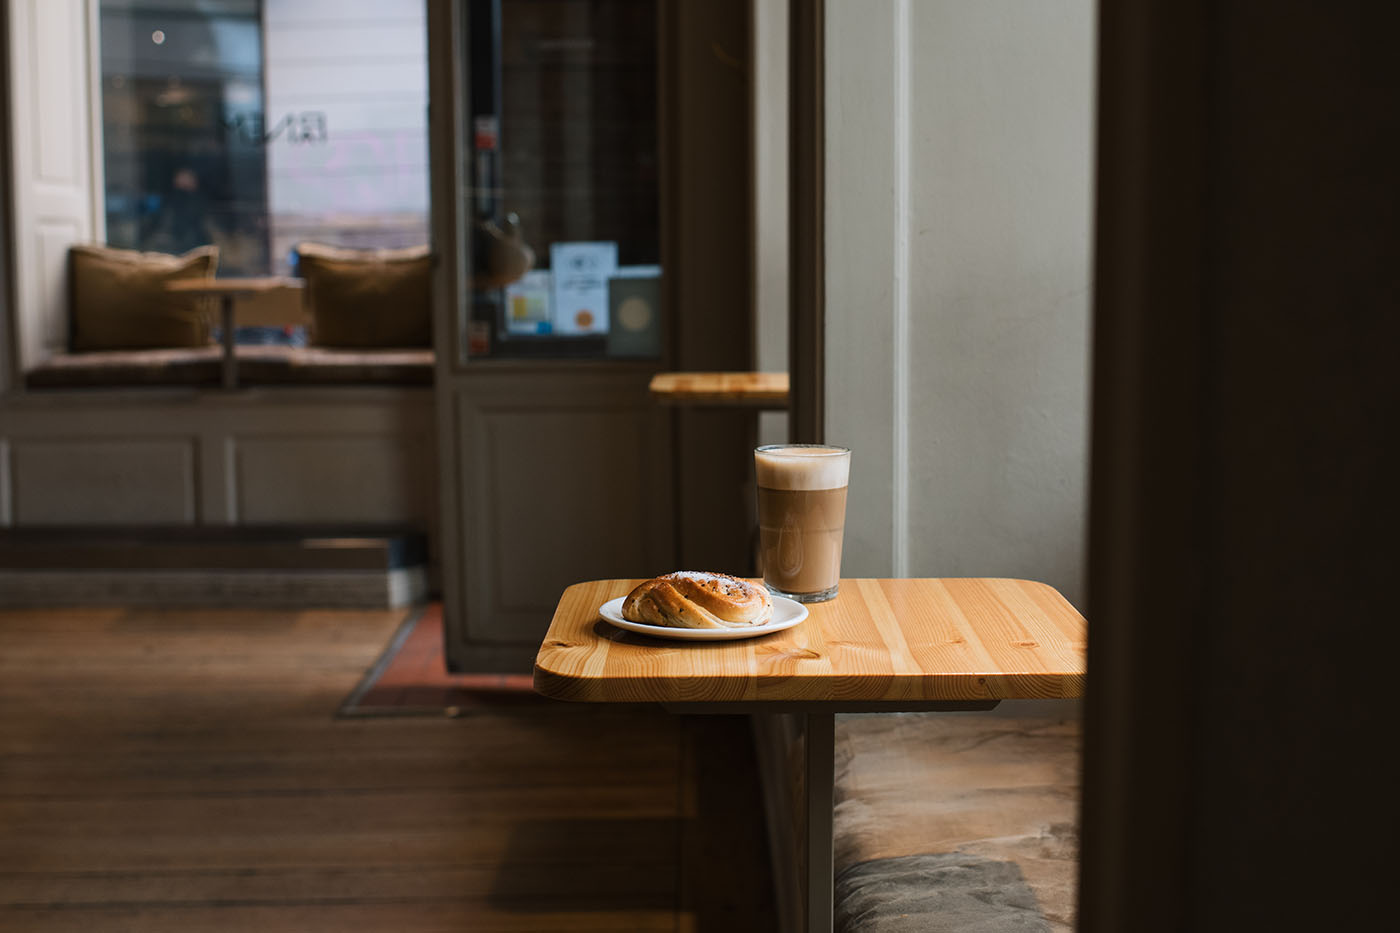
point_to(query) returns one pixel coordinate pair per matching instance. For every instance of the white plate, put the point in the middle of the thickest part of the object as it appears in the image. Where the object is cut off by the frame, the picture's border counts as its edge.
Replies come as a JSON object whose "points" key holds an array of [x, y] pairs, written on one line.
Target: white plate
{"points": [[786, 614]]}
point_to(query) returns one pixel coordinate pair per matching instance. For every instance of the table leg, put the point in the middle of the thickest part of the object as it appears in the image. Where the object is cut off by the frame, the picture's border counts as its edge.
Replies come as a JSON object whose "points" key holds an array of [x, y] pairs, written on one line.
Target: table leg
{"points": [[230, 363], [820, 781], [796, 758]]}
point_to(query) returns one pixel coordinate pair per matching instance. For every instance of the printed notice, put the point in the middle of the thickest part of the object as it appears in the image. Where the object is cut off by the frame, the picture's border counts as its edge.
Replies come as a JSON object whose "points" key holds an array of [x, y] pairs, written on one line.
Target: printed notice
{"points": [[581, 272], [527, 303]]}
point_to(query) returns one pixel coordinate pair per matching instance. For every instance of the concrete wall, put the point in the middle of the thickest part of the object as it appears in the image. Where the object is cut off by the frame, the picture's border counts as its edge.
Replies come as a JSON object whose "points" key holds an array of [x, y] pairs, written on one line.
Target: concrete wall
{"points": [[959, 184]]}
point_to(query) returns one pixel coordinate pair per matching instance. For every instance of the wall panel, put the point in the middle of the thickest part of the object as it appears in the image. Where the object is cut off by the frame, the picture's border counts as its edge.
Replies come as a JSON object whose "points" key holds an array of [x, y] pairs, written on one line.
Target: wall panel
{"points": [[343, 456], [82, 481], [565, 478], [320, 478]]}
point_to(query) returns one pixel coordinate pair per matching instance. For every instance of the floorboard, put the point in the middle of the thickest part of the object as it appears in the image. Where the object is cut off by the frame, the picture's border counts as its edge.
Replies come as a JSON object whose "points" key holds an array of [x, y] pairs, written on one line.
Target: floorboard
{"points": [[185, 770]]}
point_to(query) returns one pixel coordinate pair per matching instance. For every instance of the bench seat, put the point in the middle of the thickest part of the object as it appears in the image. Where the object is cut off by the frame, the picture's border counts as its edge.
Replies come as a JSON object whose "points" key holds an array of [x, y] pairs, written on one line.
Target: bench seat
{"points": [[184, 367], [274, 365], [258, 364], [955, 822]]}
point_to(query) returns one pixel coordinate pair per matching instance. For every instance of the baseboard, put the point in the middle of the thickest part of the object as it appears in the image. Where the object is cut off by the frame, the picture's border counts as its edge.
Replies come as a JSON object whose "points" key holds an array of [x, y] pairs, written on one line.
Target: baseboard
{"points": [[230, 547], [389, 588]]}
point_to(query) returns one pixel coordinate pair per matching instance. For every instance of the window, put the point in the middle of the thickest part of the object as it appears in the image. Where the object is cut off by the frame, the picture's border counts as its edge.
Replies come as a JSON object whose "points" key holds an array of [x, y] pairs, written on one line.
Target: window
{"points": [[255, 125], [258, 124], [564, 163], [183, 158]]}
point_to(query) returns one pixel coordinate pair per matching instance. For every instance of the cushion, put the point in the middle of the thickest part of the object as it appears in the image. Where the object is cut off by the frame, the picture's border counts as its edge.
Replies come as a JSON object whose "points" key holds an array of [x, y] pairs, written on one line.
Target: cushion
{"points": [[1000, 788], [118, 300], [951, 892], [368, 298], [275, 365]]}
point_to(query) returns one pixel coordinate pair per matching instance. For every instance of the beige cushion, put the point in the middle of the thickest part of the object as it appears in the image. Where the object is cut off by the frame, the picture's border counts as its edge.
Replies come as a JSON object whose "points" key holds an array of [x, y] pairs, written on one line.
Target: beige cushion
{"points": [[368, 298], [118, 300]]}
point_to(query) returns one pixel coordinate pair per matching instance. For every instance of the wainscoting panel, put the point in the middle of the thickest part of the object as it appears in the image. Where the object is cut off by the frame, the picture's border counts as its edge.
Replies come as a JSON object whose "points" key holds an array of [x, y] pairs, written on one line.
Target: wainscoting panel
{"points": [[565, 477], [130, 481], [377, 478], [327, 456]]}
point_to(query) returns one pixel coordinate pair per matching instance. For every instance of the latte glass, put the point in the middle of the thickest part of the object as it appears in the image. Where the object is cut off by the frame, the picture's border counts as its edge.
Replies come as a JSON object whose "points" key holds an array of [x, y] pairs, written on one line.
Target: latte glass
{"points": [[801, 518]]}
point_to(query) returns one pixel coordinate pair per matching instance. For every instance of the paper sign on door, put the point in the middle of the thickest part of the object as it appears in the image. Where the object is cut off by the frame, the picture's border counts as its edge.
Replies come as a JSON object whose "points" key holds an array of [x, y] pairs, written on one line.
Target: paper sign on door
{"points": [[581, 272]]}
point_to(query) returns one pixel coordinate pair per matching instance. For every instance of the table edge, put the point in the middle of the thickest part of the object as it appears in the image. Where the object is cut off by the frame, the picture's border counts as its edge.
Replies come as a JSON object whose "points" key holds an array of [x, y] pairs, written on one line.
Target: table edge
{"points": [[737, 691]]}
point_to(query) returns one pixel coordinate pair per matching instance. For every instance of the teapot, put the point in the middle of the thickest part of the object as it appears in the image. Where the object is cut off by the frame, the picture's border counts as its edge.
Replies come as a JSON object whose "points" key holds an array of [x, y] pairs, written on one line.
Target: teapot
{"points": [[502, 255]]}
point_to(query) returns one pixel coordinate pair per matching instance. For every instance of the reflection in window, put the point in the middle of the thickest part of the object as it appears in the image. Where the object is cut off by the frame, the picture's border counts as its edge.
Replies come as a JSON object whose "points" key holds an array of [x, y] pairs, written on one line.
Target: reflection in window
{"points": [[563, 149], [256, 126], [346, 134], [182, 111]]}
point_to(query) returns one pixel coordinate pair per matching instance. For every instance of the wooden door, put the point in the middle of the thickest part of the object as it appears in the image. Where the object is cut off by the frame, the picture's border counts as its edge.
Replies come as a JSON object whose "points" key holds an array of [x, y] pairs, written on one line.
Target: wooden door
{"points": [[555, 464]]}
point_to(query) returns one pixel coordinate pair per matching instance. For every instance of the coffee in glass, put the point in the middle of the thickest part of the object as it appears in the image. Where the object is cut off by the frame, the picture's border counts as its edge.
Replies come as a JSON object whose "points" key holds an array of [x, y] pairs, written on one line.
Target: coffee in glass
{"points": [[801, 518]]}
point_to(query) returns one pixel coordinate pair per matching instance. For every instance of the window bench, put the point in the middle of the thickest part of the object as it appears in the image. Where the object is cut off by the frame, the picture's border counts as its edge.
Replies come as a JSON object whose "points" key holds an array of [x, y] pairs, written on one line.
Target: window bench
{"points": [[257, 364]]}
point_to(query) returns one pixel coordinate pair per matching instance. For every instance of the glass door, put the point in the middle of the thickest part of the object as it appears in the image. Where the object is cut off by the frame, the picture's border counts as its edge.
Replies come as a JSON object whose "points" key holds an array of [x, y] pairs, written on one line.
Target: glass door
{"points": [[563, 176]]}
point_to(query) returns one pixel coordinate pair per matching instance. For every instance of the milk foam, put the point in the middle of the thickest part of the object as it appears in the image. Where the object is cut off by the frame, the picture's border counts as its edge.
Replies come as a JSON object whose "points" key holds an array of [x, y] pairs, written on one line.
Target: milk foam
{"points": [[802, 467]]}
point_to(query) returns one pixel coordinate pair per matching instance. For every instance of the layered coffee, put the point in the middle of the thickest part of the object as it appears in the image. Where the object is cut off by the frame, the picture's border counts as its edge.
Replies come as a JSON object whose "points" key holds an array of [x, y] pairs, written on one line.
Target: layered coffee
{"points": [[801, 518]]}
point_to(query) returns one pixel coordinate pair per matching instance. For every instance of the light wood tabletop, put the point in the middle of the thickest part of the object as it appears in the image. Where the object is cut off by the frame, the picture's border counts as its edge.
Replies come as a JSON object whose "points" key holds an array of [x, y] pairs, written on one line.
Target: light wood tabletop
{"points": [[931, 644], [759, 390], [879, 641]]}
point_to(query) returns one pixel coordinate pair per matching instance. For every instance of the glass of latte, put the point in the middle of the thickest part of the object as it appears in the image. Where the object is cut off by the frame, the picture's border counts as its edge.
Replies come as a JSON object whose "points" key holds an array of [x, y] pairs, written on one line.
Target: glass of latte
{"points": [[801, 518]]}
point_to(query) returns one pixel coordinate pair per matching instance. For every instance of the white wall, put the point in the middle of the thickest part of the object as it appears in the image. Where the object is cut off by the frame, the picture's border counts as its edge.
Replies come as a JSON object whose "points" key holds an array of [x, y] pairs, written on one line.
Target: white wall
{"points": [[769, 84], [959, 182]]}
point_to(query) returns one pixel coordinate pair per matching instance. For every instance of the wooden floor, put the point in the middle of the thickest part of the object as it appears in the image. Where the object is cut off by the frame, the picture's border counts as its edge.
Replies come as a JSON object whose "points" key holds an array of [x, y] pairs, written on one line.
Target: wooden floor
{"points": [[184, 770]]}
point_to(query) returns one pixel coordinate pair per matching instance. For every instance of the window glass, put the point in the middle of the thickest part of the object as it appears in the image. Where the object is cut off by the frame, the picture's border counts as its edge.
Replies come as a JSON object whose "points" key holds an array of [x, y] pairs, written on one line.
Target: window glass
{"points": [[182, 117], [346, 134], [256, 126], [564, 175]]}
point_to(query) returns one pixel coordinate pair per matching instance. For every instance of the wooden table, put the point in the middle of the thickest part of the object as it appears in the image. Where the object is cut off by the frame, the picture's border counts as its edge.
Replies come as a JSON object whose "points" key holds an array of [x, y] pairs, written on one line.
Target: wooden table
{"points": [[746, 390], [229, 291], [880, 645]]}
